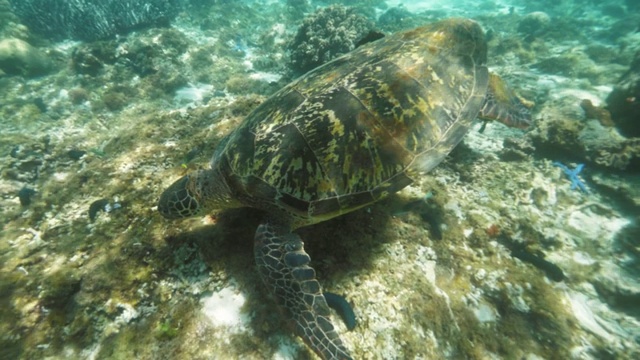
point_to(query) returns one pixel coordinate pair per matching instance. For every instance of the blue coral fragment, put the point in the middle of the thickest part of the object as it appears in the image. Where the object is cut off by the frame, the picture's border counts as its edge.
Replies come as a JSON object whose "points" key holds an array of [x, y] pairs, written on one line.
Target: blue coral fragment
{"points": [[573, 176]]}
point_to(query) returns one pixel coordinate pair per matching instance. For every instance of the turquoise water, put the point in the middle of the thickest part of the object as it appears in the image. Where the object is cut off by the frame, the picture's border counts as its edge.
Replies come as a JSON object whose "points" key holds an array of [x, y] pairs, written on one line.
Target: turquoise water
{"points": [[519, 243]]}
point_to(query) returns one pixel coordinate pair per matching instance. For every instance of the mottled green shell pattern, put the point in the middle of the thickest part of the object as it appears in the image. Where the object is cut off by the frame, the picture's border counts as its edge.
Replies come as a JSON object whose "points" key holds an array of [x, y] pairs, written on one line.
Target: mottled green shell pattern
{"points": [[362, 126]]}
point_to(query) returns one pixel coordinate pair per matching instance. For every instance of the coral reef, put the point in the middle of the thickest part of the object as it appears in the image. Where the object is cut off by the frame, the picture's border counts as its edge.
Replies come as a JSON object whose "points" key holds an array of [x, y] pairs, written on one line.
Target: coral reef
{"points": [[396, 18], [624, 101], [596, 112], [117, 97], [534, 24], [7, 18], [401, 18], [368, 8], [92, 20], [90, 58], [324, 35], [572, 64], [297, 8], [622, 156], [558, 136]]}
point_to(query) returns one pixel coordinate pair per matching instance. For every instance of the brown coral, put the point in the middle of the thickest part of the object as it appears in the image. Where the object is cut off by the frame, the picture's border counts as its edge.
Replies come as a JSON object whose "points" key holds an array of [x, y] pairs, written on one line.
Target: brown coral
{"points": [[325, 35], [596, 112], [624, 156]]}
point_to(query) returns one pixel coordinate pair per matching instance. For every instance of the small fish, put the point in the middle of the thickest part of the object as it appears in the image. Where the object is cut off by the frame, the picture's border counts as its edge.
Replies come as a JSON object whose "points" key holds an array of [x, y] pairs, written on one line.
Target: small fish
{"points": [[102, 205], [551, 270], [25, 195]]}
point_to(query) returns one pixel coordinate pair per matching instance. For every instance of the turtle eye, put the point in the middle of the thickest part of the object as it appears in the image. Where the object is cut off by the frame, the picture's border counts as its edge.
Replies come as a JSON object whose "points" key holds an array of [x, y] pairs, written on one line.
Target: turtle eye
{"points": [[177, 201]]}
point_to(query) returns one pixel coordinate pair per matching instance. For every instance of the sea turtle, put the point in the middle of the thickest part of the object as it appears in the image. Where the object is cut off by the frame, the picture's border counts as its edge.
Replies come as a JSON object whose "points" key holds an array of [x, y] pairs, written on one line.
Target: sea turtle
{"points": [[339, 138]]}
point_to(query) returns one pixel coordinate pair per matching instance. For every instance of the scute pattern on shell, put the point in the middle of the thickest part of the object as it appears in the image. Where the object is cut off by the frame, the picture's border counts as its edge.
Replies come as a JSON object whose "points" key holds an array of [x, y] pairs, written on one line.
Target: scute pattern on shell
{"points": [[361, 126]]}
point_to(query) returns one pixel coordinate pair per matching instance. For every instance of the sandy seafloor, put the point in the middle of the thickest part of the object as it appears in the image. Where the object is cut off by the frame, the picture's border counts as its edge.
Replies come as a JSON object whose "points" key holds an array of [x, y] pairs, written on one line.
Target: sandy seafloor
{"points": [[428, 272]]}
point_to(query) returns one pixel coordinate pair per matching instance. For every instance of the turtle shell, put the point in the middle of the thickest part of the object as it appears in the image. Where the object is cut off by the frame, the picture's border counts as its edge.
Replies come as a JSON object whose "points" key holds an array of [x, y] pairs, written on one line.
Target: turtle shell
{"points": [[360, 127]]}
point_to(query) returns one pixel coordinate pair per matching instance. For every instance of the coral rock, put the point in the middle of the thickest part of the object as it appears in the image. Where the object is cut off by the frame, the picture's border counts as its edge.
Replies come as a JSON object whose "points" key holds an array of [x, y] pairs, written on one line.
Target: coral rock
{"points": [[534, 24], [17, 57], [325, 35], [624, 101], [596, 112], [622, 156]]}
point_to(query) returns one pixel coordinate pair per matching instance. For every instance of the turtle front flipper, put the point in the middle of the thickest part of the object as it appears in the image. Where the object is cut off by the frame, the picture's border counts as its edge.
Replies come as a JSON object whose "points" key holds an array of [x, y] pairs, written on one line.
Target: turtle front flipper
{"points": [[503, 105], [284, 267]]}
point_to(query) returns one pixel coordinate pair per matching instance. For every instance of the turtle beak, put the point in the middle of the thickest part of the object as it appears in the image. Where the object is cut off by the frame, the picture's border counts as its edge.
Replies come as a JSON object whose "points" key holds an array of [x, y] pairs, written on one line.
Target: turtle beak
{"points": [[177, 201]]}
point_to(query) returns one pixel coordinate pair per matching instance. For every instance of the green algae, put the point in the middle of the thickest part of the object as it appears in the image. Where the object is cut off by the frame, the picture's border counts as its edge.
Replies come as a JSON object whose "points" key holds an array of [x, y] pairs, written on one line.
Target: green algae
{"points": [[166, 330], [59, 288]]}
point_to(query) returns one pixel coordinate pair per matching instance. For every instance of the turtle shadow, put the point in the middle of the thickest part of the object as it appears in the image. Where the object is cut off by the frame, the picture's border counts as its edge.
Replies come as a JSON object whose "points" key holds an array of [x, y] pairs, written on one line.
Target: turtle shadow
{"points": [[226, 245], [337, 246], [347, 245], [341, 249]]}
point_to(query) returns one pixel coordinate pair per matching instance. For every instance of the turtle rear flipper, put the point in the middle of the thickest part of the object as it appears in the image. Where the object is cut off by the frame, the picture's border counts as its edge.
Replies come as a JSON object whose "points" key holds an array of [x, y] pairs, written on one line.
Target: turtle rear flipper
{"points": [[284, 267], [502, 104]]}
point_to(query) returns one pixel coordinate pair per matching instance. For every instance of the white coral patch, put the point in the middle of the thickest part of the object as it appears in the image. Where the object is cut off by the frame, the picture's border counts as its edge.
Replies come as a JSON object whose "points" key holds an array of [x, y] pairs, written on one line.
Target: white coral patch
{"points": [[223, 308], [593, 221], [193, 93]]}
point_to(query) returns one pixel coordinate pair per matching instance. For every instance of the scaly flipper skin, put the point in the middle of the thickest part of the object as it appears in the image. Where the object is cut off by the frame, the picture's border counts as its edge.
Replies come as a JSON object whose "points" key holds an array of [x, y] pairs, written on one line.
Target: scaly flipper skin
{"points": [[284, 267]]}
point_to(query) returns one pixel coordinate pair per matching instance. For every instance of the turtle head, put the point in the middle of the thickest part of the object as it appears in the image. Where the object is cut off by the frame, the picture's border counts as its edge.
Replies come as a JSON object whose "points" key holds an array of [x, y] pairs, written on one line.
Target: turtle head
{"points": [[180, 200], [197, 192], [502, 104]]}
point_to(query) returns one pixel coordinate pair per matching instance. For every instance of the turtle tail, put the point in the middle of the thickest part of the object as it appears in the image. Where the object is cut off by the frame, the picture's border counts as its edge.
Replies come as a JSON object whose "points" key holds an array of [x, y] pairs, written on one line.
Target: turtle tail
{"points": [[284, 267], [503, 105]]}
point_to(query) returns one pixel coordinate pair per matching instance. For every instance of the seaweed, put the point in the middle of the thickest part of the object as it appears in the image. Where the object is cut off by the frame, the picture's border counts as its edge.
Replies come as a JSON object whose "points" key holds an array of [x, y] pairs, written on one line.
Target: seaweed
{"points": [[92, 20]]}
